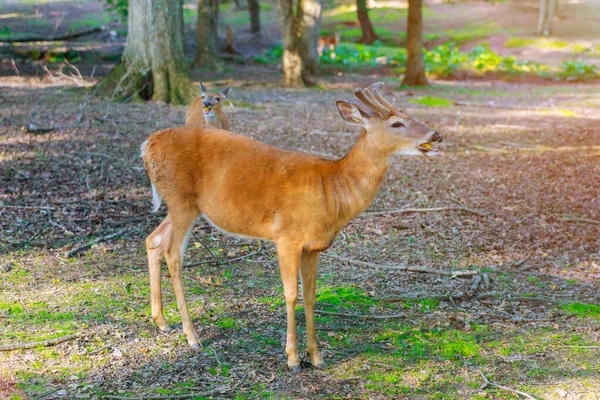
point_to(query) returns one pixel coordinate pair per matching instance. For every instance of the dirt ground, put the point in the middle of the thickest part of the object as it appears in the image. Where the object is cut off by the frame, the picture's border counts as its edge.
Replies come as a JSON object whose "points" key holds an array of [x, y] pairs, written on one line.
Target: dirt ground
{"points": [[509, 299], [525, 155]]}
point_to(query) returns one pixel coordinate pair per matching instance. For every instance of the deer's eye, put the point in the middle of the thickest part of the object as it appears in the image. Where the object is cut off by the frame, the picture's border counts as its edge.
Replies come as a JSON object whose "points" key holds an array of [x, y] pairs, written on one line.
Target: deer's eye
{"points": [[397, 125], [217, 99], [203, 96]]}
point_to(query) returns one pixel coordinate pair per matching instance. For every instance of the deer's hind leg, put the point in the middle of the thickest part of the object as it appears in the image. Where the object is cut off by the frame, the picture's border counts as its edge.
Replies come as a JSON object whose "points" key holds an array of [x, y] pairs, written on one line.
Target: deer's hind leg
{"points": [[155, 249], [182, 222]]}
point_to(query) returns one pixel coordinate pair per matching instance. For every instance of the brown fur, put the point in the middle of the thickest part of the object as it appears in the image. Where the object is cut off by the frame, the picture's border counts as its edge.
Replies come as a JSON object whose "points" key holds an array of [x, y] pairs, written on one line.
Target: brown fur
{"points": [[196, 112], [298, 201]]}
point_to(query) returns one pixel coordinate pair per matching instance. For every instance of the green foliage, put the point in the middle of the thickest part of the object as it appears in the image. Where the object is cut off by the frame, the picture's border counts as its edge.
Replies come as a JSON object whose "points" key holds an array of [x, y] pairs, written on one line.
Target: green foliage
{"points": [[227, 323], [118, 6], [577, 71], [272, 56], [344, 296], [444, 60], [581, 309]]}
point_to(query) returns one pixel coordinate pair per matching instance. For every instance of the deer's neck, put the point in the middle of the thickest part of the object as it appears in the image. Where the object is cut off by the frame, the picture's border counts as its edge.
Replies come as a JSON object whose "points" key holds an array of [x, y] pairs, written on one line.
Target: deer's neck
{"points": [[355, 179]]}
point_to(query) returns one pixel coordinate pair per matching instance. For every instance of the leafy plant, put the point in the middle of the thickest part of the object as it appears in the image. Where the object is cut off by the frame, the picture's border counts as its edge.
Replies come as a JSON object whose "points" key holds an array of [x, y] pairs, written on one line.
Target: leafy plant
{"points": [[444, 60], [577, 70], [118, 6]]}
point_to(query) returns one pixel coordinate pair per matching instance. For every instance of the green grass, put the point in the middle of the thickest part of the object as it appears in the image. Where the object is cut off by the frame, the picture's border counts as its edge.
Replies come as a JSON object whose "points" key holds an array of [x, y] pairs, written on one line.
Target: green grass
{"points": [[540, 43], [431, 101], [582, 310]]}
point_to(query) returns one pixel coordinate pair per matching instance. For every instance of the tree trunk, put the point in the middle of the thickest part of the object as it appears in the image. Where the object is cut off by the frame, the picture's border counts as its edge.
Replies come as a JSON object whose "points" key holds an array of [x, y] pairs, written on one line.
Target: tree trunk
{"points": [[254, 9], [542, 17], [415, 66], [368, 34], [311, 30], [207, 33], [153, 63], [289, 24]]}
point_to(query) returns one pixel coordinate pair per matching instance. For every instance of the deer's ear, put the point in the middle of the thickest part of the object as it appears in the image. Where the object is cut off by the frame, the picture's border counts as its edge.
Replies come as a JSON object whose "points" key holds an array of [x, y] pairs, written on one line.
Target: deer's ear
{"points": [[350, 114], [226, 92], [203, 88]]}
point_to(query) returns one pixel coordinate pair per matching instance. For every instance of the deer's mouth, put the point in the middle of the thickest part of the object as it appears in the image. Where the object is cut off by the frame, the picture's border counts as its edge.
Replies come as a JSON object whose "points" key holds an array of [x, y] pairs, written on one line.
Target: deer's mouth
{"points": [[428, 149]]}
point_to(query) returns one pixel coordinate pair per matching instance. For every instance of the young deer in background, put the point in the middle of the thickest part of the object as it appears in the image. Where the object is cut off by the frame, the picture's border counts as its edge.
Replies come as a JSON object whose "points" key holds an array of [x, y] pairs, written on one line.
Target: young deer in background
{"points": [[208, 110], [296, 200], [329, 41]]}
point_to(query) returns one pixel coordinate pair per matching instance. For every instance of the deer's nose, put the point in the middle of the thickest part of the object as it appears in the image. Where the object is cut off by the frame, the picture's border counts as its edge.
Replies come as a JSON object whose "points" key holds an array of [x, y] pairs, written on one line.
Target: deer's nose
{"points": [[437, 137]]}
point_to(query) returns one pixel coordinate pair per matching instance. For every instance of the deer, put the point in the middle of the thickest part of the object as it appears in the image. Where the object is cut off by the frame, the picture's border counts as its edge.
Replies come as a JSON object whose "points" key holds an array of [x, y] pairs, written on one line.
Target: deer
{"points": [[208, 109], [298, 201], [329, 41]]}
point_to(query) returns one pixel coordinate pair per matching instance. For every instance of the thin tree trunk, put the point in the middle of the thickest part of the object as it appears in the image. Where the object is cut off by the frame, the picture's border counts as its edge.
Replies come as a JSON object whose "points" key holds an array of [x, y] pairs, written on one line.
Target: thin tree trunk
{"points": [[550, 17], [542, 17], [207, 29], [368, 34], [415, 66], [254, 9], [153, 63], [289, 23], [311, 30]]}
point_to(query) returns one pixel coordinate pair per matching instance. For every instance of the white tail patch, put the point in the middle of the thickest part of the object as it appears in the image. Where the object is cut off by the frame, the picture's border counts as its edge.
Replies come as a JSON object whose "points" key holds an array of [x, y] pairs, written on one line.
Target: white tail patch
{"points": [[156, 201]]}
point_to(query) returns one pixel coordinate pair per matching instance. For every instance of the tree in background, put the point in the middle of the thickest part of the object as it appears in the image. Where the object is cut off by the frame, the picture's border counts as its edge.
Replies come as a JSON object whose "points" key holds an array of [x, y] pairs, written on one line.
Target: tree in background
{"points": [[547, 11], [313, 10], [207, 33], [368, 34], [297, 43], [415, 66], [254, 9], [153, 63]]}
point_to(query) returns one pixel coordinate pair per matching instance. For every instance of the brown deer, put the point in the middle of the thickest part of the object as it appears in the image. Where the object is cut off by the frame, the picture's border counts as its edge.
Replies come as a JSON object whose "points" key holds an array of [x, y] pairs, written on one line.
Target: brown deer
{"points": [[329, 41], [208, 110], [296, 200]]}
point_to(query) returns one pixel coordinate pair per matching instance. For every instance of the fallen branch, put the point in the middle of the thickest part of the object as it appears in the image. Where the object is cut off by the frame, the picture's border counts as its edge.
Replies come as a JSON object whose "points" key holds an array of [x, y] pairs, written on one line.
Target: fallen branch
{"points": [[498, 296], [578, 219], [27, 207], [360, 316], [33, 345], [428, 210], [488, 382], [398, 299], [423, 270], [53, 38], [93, 242]]}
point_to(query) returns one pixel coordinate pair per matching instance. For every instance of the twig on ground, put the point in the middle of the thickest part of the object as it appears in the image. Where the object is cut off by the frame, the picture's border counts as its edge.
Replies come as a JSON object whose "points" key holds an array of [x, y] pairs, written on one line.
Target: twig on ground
{"points": [[488, 382], [93, 242], [360, 316], [521, 262], [27, 207], [499, 296], [120, 222], [397, 299], [227, 261], [217, 259], [91, 353], [428, 210], [578, 219], [48, 393], [33, 345], [423, 270], [578, 347]]}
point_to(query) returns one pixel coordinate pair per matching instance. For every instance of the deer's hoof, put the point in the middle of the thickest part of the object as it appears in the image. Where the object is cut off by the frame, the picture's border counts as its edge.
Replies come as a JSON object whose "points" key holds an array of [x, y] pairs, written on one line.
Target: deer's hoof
{"points": [[295, 369], [320, 365], [195, 347]]}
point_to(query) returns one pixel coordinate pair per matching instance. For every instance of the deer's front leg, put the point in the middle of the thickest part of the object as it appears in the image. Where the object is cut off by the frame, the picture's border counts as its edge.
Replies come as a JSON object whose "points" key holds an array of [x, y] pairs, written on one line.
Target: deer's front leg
{"points": [[308, 268], [289, 261]]}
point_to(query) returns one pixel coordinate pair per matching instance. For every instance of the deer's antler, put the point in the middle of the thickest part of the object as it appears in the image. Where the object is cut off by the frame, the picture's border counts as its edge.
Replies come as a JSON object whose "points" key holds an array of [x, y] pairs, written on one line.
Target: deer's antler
{"points": [[374, 100]]}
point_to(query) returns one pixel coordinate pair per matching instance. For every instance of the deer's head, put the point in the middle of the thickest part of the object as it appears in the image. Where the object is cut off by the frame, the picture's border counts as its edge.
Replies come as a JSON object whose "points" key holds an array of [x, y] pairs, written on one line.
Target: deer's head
{"points": [[389, 128], [212, 100]]}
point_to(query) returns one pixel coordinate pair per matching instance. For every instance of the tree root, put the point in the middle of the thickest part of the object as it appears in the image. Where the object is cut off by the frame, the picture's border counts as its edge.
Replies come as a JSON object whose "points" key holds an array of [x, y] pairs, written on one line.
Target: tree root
{"points": [[428, 210], [360, 316]]}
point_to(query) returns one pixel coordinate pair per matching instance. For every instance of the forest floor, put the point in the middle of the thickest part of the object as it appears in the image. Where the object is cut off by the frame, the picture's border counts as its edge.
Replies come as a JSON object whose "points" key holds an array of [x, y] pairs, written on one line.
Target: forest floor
{"points": [[526, 156]]}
